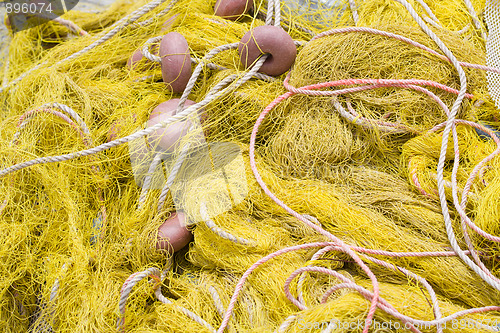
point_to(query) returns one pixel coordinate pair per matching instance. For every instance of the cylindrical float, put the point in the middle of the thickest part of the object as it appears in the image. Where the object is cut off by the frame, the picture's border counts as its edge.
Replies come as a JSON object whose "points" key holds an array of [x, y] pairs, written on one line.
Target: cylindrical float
{"points": [[270, 40], [173, 234], [232, 9], [175, 61]]}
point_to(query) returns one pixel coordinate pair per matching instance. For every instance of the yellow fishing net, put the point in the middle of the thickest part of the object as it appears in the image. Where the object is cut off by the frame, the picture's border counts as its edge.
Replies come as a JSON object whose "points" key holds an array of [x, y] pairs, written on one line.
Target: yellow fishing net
{"points": [[79, 231]]}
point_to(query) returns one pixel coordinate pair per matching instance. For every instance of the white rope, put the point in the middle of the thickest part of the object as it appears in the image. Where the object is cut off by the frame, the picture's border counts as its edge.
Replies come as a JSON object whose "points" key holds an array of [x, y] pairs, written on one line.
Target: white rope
{"points": [[72, 113], [217, 301], [270, 12], [61, 107], [153, 57], [362, 123], [145, 49], [219, 231], [354, 11], [127, 287], [450, 126], [277, 12], [132, 281], [67, 23], [45, 326], [432, 22], [161, 13], [214, 94], [429, 12], [147, 181], [22, 76], [330, 327], [172, 175], [283, 327], [464, 29], [197, 71], [185, 311]]}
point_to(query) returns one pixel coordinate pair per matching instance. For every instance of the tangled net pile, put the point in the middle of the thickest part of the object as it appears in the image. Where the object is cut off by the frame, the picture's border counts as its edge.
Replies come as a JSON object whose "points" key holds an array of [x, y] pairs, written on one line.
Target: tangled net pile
{"points": [[358, 192]]}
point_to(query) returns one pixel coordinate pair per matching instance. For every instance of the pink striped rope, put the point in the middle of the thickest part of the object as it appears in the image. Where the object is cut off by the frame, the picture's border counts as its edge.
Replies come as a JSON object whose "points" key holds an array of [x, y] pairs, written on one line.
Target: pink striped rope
{"points": [[309, 90], [379, 83], [403, 39], [56, 113]]}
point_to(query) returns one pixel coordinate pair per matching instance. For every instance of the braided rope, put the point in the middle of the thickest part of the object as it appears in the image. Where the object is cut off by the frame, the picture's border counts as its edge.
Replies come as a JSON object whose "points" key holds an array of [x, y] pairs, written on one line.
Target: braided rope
{"points": [[145, 49], [26, 118], [67, 23], [432, 22], [270, 12], [414, 177], [449, 125], [481, 270], [364, 122], [127, 287], [376, 301], [216, 92], [152, 57], [372, 84], [277, 12], [435, 305], [379, 123], [302, 278], [403, 39], [71, 26], [381, 303], [72, 113], [218, 303], [369, 295], [45, 326]]}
